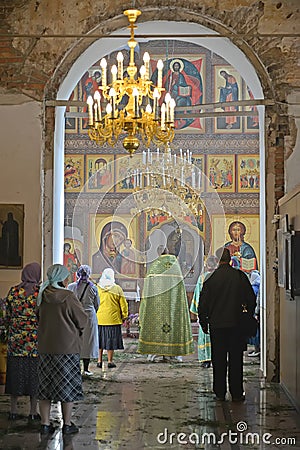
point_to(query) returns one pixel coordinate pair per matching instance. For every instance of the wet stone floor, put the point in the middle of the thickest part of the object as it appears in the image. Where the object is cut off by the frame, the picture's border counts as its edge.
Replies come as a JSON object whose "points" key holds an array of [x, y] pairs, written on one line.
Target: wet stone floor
{"points": [[162, 405]]}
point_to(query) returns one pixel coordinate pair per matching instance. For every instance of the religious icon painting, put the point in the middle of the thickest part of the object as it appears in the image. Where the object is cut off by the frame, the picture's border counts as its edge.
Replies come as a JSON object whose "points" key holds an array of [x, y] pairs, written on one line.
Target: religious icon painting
{"points": [[183, 79], [227, 89], [71, 122], [128, 173], [99, 170], [251, 122], [248, 173], [114, 242], [73, 173], [240, 234], [11, 236], [87, 86], [221, 173]]}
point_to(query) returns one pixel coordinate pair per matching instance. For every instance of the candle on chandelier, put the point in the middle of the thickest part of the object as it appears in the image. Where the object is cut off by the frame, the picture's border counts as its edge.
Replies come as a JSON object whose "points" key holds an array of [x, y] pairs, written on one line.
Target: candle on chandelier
{"points": [[143, 72], [97, 98], [163, 116], [175, 157], [95, 112], [112, 94], [172, 110], [160, 66], [146, 59], [163, 176], [114, 72], [193, 179], [135, 94], [157, 154], [155, 103], [167, 100], [103, 65], [120, 59], [182, 176], [144, 157], [180, 151], [90, 109]]}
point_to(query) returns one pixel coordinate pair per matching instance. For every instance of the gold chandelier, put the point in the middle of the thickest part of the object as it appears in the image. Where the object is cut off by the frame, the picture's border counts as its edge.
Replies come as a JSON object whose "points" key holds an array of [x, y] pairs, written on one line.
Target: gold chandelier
{"points": [[132, 102]]}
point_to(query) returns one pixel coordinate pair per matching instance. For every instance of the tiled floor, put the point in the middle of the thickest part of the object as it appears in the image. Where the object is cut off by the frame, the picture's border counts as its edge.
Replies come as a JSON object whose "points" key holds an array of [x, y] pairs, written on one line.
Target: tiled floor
{"points": [[163, 405]]}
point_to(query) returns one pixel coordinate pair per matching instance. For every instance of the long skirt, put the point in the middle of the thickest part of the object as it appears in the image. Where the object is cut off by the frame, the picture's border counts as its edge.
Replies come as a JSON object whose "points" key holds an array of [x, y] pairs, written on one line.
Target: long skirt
{"points": [[204, 346], [60, 378], [110, 337], [21, 376]]}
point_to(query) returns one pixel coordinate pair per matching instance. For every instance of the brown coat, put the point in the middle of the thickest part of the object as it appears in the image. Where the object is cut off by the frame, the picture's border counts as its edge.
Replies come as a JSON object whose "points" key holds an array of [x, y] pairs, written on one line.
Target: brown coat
{"points": [[61, 321]]}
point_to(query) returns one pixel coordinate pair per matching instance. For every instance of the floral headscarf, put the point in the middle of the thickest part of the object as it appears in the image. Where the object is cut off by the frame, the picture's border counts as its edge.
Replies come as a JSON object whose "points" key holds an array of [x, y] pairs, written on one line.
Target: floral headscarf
{"points": [[83, 274], [55, 274]]}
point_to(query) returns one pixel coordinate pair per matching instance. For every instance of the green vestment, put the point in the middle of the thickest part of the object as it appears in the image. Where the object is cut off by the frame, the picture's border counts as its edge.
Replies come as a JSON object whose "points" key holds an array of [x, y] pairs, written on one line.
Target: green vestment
{"points": [[165, 326]]}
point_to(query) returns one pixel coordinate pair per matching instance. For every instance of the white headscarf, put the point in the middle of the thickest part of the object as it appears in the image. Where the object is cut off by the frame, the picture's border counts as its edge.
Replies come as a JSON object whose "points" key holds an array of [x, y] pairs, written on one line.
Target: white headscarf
{"points": [[107, 278]]}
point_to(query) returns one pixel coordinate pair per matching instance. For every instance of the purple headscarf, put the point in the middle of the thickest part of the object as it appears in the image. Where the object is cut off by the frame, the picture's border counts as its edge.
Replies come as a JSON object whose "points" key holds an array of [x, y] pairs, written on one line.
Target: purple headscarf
{"points": [[31, 277], [83, 274]]}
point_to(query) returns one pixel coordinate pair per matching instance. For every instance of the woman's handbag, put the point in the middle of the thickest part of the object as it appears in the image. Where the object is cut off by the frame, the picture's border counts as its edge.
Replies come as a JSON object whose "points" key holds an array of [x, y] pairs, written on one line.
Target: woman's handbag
{"points": [[248, 323]]}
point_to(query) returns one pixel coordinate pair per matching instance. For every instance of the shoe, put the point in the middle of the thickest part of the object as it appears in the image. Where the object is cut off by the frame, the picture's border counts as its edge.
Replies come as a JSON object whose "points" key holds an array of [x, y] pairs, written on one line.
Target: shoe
{"points": [[206, 364], [111, 365], [99, 365], [13, 416], [47, 429], [253, 354], [179, 358], [70, 429], [34, 418], [239, 399], [87, 373], [151, 357], [220, 399]]}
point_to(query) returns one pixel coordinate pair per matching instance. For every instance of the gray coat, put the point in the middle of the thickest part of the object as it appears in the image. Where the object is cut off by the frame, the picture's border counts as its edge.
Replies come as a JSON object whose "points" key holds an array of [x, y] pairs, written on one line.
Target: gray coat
{"points": [[89, 299]]}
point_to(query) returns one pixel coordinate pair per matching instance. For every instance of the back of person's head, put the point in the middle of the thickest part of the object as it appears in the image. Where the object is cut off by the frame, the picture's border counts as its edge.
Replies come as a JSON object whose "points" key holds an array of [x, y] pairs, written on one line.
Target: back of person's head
{"points": [[107, 278], [162, 250], [211, 263], [223, 255]]}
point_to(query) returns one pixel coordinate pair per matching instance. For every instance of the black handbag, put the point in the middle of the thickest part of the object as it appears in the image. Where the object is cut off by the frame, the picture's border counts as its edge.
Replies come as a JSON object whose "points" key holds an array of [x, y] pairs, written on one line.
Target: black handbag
{"points": [[248, 323]]}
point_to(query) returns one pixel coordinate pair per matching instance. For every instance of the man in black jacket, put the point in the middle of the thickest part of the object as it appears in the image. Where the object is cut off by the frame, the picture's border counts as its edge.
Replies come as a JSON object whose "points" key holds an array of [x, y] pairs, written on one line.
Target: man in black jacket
{"points": [[220, 307]]}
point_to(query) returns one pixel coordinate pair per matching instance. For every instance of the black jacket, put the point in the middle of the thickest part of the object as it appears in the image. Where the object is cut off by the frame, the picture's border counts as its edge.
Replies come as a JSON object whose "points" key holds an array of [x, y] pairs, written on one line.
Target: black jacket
{"points": [[222, 297]]}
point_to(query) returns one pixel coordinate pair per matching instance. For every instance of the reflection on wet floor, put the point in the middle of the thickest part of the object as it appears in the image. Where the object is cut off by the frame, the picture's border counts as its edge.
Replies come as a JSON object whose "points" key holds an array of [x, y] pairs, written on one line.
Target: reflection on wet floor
{"points": [[163, 405]]}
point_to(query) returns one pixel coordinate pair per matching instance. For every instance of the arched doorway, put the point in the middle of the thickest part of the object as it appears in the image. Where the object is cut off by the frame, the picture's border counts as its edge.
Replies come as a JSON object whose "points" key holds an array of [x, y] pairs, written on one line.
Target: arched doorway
{"points": [[217, 45]]}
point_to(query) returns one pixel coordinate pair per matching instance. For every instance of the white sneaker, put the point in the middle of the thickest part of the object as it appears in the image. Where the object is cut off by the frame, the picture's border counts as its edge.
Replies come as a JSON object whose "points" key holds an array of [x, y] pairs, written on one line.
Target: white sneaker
{"points": [[87, 373], [151, 357], [253, 354], [179, 358]]}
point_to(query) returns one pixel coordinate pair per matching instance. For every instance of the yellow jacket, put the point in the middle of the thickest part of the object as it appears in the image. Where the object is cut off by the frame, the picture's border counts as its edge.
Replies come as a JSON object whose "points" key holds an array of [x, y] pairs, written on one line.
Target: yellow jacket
{"points": [[113, 308]]}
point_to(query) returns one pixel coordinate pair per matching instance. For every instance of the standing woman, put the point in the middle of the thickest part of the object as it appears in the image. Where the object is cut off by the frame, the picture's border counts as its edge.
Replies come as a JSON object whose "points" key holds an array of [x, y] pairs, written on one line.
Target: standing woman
{"points": [[22, 352], [87, 294], [61, 323], [112, 312], [204, 345]]}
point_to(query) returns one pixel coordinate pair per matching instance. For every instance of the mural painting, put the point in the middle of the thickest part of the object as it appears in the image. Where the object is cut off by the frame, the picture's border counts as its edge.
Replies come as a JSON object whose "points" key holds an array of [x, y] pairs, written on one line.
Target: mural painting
{"points": [[221, 173], [74, 173], [99, 173], [248, 173], [11, 236]]}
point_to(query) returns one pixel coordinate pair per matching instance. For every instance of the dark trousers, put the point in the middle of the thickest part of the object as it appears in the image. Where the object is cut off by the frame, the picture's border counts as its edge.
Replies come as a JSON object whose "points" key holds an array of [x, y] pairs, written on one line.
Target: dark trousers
{"points": [[227, 350]]}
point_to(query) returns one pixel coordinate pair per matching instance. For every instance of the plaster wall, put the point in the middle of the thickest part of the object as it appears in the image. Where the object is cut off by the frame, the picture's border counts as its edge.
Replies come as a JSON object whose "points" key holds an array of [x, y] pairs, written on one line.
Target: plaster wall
{"points": [[290, 314], [20, 181]]}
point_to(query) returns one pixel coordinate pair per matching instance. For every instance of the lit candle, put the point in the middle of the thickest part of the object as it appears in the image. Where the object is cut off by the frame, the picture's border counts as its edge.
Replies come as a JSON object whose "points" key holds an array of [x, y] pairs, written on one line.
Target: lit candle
{"points": [[103, 65], [146, 59], [163, 116], [160, 66], [120, 59], [155, 103], [97, 98], [167, 100], [114, 72], [90, 109], [135, 94], [172, 110]]}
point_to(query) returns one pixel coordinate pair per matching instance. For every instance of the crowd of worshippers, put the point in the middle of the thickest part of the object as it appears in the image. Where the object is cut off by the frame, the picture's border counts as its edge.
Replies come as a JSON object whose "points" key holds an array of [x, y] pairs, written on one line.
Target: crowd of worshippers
{"points": [[55, 329]]}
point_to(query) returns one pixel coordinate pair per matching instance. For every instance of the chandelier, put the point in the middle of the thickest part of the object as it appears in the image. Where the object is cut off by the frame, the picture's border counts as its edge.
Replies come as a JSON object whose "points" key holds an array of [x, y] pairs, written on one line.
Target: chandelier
{"points": [[168, 182], [130, 105]]}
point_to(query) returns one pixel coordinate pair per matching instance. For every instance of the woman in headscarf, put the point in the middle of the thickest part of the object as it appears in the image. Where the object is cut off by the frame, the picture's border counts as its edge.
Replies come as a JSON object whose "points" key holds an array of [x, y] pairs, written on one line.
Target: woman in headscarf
{"points": [[112, 312], [22, 352], [61, 323], [87, 294], [204, 345]]}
